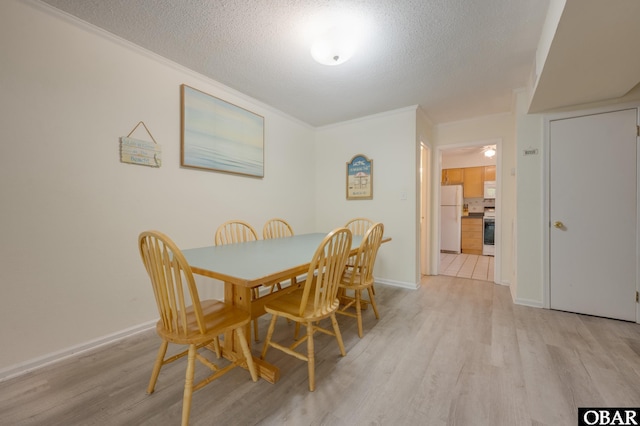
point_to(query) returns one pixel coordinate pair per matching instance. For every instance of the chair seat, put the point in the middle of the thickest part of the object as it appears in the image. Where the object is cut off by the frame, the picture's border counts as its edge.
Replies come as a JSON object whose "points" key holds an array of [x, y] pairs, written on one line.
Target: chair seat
{"points": [[354, 280], [219, 317], [288, 306]]}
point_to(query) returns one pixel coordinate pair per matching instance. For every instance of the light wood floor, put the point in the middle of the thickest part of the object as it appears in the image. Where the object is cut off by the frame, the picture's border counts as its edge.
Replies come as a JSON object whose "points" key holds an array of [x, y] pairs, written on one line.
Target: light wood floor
{"points": [[467, 266], [446, 354]]}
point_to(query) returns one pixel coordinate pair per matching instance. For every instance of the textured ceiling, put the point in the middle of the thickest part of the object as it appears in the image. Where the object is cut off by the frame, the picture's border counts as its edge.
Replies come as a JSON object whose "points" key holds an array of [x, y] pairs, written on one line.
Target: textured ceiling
{"points": [[455, 58]]}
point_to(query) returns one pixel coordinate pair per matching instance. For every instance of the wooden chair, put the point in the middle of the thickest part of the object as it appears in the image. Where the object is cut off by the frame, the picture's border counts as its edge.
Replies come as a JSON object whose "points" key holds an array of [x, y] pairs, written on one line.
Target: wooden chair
{"points": [[235, 231], [360, 277], [317, 300], [358, 226], [196, 325], [276, 228], [238, 231]]}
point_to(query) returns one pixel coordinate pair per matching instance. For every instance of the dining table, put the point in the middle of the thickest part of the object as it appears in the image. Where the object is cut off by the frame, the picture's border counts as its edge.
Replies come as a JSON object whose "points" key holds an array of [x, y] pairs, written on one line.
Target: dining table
{"points": [[247, 265]]}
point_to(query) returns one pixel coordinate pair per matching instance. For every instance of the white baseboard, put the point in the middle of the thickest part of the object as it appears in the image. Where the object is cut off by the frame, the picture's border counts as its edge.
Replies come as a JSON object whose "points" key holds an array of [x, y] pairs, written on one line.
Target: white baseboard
{"points": [[401, 284], [33, 364], [528, 302]]}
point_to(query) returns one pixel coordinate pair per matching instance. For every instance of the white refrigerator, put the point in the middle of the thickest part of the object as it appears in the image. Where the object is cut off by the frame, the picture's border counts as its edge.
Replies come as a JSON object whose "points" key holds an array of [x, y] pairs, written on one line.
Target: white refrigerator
{"points": [[450, 217]]}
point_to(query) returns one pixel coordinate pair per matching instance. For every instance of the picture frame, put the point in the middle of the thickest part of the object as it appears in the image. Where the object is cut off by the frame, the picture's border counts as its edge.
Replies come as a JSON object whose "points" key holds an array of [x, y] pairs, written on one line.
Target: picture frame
{"points": [[219, 136], [360, 178]]}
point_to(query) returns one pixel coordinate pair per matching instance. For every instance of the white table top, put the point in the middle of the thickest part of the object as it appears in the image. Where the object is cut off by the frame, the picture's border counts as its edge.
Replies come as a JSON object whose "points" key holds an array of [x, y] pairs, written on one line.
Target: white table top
{"points": [[258, 262]]}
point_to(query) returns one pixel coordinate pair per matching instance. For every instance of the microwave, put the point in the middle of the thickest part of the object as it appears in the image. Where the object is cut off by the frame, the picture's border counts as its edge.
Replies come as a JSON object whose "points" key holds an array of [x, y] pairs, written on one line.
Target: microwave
{"points": [[490, 189]]}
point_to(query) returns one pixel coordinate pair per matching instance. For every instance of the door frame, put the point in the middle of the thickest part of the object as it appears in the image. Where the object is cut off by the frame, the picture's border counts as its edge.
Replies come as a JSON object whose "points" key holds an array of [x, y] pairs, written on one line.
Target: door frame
{"points": [[546, 201], [437, 176], [425, 210]]}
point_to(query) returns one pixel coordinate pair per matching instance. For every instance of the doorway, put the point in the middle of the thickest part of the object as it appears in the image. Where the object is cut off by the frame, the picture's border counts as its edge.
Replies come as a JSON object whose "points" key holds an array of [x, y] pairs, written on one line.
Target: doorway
{"points": [[474, 266], [471, 259]]}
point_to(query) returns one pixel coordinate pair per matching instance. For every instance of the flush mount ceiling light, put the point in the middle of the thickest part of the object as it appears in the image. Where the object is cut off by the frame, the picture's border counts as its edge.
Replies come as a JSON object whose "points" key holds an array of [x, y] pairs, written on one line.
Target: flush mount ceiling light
{"points": [[489, 151], [334, 47], [335, 37]]}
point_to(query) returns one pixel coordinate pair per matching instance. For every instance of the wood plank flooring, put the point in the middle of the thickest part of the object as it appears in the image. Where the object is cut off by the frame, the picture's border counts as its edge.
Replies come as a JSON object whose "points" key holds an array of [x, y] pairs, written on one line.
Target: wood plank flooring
{"points": [[448, 353], [467, 266]]}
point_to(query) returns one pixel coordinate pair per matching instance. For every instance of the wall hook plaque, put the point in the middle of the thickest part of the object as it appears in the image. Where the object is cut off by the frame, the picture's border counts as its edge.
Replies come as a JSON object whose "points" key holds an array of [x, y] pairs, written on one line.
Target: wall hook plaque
{"points": [[141, 152]]}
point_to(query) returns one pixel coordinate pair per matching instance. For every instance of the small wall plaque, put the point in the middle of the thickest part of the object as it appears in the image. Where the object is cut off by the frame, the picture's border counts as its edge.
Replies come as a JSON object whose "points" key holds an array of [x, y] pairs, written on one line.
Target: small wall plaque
{"points": [[136, 151], [360, 178]]}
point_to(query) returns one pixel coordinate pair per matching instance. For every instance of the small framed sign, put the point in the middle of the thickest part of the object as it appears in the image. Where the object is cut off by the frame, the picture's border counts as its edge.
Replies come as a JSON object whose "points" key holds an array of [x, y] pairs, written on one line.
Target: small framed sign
{"points": [[360, 178], [137, 151]]}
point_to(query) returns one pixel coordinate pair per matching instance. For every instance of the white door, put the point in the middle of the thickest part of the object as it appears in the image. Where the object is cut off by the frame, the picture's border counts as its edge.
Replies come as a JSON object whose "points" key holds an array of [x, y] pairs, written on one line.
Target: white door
{"points": [[593, 229]]}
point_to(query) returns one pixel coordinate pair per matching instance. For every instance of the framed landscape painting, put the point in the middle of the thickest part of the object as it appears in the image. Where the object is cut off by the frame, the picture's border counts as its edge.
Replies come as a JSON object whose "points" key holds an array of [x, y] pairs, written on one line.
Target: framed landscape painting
{"points": [[220, 136]]}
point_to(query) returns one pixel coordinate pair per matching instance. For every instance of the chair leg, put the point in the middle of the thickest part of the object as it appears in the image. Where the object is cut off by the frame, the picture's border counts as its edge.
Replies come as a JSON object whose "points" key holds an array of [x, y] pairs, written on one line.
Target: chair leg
{"points": [[373, 302], [157, 366], [311, 358], [296, 332], [359, 312], [188, 385], [247, 353], [214, 346], [272, 326], [341, 293], [255, 329], [336, 330]]}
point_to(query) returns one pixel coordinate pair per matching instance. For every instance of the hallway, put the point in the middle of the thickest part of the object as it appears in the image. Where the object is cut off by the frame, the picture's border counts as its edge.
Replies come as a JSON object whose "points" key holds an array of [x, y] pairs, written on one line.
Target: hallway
{"points": [[467, 266]]}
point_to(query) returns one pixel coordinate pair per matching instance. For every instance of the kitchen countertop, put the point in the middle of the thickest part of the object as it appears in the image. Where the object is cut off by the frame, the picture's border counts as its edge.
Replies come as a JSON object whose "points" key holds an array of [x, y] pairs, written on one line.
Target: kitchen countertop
{"points": [[474, 216]]}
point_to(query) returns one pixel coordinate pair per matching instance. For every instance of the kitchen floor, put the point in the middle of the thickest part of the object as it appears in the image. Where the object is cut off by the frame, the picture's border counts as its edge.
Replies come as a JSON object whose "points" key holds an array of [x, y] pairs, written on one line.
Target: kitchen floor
{"points": [[467, 266]]}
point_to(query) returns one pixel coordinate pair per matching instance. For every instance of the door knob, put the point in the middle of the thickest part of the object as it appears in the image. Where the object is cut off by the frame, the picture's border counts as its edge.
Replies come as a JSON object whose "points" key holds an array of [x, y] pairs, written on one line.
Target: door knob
{"points": [[558, 224]]}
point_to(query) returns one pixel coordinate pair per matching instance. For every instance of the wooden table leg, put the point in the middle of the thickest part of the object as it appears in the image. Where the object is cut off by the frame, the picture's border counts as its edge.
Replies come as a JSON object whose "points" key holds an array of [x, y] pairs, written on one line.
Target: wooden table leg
{"points": [[241, 297]]}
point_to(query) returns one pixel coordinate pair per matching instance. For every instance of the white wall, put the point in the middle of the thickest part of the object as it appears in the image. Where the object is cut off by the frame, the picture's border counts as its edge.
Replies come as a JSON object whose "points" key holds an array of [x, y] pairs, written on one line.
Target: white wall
{"points": [[71, 212], [491, 127], [462, 160], [527, 288], [388, 139]]}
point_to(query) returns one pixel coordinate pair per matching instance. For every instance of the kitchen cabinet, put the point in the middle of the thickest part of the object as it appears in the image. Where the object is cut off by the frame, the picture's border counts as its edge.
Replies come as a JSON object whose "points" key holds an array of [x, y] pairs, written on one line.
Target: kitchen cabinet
{"points": [[452, 176], [474, 182], [490, 173], [471, 235]]}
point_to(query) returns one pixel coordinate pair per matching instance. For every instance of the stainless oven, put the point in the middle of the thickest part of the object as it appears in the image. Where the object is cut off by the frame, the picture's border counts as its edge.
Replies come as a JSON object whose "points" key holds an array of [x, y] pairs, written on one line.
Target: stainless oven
{"points": [[488, 232]]}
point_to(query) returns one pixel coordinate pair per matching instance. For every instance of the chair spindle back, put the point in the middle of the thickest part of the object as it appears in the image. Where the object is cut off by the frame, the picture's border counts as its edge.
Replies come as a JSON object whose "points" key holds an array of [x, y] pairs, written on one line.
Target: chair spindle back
{"points": [[235, 231], [358, 226], [326, 268], [367, 252], [276, 228], [172, 279]]}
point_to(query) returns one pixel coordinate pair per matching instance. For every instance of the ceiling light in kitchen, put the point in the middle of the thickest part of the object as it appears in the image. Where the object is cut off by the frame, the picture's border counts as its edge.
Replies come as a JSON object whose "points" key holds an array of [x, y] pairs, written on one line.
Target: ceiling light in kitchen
{"points": [[489, 151]]}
